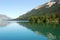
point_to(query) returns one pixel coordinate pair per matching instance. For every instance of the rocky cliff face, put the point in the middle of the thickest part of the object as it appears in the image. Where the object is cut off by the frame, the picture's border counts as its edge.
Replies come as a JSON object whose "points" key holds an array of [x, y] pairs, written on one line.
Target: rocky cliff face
{"points": [[49, 4], [52, 2]]}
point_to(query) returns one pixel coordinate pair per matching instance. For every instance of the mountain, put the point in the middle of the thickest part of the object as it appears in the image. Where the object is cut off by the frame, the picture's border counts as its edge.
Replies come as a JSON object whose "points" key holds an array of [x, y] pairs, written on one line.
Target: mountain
{"points": [[57, 1], [47, 11], [4, 17]]}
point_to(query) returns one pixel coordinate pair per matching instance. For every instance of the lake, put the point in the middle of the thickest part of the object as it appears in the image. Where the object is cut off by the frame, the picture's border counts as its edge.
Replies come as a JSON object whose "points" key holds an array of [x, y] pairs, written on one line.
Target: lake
{"points": [[29, 31]]}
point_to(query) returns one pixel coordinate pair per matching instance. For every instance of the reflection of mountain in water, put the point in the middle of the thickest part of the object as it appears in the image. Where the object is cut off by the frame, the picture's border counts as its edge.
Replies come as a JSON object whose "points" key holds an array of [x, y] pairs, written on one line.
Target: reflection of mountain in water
{"points": [[3, 20], [4, 23], [52, 31]]}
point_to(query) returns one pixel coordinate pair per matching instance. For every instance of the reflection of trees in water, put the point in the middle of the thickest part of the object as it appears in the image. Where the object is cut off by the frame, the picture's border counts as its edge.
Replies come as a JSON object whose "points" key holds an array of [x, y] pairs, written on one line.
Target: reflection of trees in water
{"points": [[3, 23], [51, 30]]}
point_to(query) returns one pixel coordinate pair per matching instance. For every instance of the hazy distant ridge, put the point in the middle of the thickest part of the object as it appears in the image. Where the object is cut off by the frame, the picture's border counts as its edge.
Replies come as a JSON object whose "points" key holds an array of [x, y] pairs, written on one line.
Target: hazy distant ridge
{"points": [[4, 17]]}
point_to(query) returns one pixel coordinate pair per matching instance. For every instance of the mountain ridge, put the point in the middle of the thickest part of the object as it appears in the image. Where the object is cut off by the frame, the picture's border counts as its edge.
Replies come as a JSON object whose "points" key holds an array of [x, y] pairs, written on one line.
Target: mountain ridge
{"points": [[49, 8], [4, 17]]}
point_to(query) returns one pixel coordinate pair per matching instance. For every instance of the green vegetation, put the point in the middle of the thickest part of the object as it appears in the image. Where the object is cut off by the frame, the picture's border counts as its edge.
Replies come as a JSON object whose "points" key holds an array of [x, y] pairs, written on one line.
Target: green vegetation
{"points": [[43, 14], [45, 18], [50, 30]]}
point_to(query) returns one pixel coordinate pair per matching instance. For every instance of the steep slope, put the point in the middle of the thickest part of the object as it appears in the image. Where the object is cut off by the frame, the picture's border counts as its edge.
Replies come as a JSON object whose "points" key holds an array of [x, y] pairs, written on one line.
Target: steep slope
{"points": [[49, 8]]}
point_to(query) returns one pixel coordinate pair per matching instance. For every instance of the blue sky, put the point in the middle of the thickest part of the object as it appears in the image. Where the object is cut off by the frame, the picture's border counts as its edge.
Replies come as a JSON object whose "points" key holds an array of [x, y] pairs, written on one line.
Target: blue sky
{"points": [[15, 8]]}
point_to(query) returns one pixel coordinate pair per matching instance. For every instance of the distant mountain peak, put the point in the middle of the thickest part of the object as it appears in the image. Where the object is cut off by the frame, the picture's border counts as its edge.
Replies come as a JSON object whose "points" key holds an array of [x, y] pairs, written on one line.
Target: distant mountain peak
{"points": [[3, 17]]}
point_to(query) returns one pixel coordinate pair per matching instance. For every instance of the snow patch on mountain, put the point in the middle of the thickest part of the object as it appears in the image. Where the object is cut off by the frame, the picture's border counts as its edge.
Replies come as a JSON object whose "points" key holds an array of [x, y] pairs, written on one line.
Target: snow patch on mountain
{"points": [[49, 4]]}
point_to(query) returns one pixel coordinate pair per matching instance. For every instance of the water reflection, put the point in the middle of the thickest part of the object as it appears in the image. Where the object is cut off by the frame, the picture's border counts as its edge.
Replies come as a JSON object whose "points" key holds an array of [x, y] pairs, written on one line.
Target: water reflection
{"points": [[50, 30], [4, 23]]}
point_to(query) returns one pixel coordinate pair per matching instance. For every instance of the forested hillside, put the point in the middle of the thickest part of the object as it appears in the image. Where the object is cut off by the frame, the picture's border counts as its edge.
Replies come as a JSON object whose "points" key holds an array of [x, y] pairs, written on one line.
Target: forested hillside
{"points": [[48, 12]]}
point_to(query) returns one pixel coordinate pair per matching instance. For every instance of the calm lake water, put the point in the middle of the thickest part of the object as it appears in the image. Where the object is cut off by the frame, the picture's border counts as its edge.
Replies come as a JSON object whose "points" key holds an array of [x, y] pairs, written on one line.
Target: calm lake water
{"points": [[29, 31]]}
